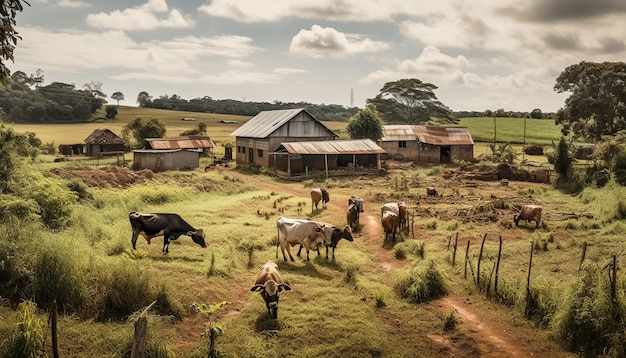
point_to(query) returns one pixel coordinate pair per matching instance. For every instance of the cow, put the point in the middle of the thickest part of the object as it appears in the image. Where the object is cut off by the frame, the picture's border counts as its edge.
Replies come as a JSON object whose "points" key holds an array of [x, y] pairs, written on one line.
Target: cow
{"points": [[430, 191], [292, 232], [352, 216], [317, 195], [269, 282], [170, 226], [336, 234], [389, 220], [400, 209], [356, 201], [529, 213]]}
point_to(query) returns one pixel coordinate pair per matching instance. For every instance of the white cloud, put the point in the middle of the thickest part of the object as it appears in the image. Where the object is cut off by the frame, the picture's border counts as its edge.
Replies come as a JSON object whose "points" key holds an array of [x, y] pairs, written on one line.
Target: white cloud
{"points": [[288, 71], [326, 41], [141, 18], [73, 4]]}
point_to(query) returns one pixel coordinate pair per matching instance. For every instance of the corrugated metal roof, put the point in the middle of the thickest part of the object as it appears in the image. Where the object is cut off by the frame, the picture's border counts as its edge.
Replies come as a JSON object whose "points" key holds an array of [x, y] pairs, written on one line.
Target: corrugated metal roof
{"points": [[184, 142], [356, 146], [267, 122], [428, 134], [165, 150]]}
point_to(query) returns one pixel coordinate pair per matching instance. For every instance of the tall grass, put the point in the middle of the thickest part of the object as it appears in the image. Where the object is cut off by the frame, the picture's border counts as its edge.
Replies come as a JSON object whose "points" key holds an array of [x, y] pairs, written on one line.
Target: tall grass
{"points": [[28, 339], [421, 285]]}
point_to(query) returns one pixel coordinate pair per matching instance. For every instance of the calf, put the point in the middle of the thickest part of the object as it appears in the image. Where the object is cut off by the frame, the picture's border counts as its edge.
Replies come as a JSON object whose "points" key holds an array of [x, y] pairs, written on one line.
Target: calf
{"points": [[317, 195], [269, 282], [352, 216], [170, 226], [335, 235], [529, 213], [430, 191], [389, 220], [292, 232]]}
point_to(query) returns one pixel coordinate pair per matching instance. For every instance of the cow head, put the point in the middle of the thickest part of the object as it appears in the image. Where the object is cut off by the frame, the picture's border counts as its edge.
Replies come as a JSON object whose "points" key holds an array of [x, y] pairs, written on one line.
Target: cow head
{"points": [[269, 292], [197, 237], [325, 195]]}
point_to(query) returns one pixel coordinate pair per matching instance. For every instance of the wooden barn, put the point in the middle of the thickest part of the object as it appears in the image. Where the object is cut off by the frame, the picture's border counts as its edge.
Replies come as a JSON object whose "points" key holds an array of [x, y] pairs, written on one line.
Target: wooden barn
{"points": [[427, 144], [264, 133], [159, 160], [347, 156], [103, 142]]}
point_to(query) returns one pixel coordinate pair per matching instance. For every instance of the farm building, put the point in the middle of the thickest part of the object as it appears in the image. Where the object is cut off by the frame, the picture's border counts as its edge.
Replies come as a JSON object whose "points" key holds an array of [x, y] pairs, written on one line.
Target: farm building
{"points": [[159, 160], [264, 133], [427, 144], [184, 142], [103, 142], [349, 156]]}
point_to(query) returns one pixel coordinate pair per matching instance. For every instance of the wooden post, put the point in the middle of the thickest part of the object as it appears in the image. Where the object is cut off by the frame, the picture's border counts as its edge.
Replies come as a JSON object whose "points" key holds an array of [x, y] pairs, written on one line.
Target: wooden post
{"points": [[614, 279], [480, 256], [456, 239], [55, 341], [530, 265], [495, 282], [139, 340], [466, 259], [582, 258]]}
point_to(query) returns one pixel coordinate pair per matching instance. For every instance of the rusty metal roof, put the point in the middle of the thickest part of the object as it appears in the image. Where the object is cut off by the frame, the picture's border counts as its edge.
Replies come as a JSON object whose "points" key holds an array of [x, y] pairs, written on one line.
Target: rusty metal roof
{"points": [[184, 142], [428, 134], [356, 146]]}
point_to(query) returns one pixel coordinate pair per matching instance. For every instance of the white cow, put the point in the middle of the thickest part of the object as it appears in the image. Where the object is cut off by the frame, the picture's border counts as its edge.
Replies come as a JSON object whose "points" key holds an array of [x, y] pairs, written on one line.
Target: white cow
{"points": [[292, 232]]}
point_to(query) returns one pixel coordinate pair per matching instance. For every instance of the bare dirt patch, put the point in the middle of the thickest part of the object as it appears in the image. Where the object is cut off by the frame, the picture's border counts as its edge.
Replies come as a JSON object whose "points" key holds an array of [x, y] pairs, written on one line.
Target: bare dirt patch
{"points": [[105, 176]]}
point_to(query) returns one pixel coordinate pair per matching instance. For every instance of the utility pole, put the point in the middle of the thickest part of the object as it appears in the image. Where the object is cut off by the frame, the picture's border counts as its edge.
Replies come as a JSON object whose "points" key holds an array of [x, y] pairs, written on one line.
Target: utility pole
{"points": [[351, 97]]}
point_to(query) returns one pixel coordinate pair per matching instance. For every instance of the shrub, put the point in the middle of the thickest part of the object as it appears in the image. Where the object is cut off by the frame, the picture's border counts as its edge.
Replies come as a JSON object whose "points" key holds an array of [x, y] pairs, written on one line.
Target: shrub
{"points": [[56, 277], [422, 285], [450, 321], [28, 341]]}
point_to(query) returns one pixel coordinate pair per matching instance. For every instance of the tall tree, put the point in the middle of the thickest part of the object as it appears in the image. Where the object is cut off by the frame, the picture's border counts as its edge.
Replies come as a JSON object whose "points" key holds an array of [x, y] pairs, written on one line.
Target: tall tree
{"points": [[597, 104], [118, 96], [8, 34], [365, 124], [410, 101], [140, 129], [144, 99]]}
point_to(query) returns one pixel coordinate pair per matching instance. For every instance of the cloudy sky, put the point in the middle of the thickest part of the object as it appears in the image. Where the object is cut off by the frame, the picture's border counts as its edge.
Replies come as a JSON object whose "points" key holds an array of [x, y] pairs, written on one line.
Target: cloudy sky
{"points": [[481, 54]]}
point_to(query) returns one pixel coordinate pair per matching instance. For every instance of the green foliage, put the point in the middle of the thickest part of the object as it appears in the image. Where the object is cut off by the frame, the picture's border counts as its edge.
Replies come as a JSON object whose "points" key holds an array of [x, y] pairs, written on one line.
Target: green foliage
{"points": [[366, 124], [111, 112], [199, 130], [619, 168], [139, 129], [563, 159], [538, 131], [8, 40], [450, 321], [410, 101], [57, 277], [214, 329], [540, 305], [421, 285], [590, 321], [28, 341]]}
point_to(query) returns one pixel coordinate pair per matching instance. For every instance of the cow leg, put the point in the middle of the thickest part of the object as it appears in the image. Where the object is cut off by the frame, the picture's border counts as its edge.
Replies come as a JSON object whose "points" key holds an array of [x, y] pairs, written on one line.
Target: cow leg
{"points": [[134, 239], [327, 253], [166, 244]]}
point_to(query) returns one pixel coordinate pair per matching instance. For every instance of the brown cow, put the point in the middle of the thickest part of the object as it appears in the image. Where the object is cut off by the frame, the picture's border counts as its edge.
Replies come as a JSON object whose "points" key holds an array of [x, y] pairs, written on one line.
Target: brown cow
{"points": [[430, 191], [269, 282], [389, 220], [529, 213], [402, 217], [352, 216], [317, 195], [333, 235]]}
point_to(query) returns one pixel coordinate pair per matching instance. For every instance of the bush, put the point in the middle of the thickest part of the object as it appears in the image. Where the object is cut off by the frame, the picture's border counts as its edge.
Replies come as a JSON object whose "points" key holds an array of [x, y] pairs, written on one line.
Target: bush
{"points": [[28, 341], [619, 168], [421, 286], [57, 278]]}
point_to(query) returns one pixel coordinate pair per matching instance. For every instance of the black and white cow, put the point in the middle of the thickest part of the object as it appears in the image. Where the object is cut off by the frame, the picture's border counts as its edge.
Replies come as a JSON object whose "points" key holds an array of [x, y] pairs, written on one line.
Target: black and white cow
{"points": [[170, 226]]}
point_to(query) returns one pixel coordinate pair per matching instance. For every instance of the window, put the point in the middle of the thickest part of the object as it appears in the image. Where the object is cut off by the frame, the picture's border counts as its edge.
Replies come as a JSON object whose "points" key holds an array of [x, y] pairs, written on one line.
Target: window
{"points": [[260, 153], [402, 144]]}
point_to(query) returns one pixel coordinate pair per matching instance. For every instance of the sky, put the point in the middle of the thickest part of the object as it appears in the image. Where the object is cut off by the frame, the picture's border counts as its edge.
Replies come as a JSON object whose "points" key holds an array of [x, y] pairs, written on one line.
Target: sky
{"points": [[481, 54]]}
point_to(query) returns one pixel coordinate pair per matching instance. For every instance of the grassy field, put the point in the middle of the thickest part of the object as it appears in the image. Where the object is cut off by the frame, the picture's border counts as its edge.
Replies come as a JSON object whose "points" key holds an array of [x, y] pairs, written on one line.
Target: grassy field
{"points": [[511, 130]]}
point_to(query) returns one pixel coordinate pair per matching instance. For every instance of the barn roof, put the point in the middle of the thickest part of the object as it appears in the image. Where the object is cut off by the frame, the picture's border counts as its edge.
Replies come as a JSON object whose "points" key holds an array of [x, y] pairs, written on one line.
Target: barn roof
{"points": [[103, 136], [267, 122], [356, 146], [428, 134], [184, 142], [161, 151]]}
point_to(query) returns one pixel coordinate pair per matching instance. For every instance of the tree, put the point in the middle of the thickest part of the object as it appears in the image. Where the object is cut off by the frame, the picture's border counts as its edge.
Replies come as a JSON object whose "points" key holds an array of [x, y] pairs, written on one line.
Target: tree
{"points": [[140, 129], [111, 112], [410, 101], [536, 113], [563, 159], [200, 129], [597, 104], [365, 124], [144, 99], [8, 35], [118, 96]]}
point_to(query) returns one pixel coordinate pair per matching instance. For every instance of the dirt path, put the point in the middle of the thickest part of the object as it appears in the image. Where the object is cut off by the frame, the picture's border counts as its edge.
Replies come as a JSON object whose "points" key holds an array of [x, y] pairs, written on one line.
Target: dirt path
{"points": [[488, 337]]}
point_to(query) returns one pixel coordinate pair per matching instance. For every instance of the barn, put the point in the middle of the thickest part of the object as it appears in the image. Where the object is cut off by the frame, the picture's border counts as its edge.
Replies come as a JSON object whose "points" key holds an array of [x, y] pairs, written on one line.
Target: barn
{"points": [[182, 153], [103, 142], [347, 157], [265, 132], [427, 144]]}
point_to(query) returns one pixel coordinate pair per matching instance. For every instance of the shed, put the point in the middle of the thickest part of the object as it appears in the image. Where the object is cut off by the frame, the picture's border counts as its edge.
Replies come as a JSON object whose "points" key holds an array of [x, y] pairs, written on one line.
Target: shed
{"points": [[102, 142], [265, 132], [159, 160], [183, 142], [305, 157], [427, 144]]}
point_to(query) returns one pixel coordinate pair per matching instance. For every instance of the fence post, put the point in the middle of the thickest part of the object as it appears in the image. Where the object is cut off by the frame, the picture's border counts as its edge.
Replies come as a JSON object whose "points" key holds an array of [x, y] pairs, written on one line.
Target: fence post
{"points": [[55, 341], [583, 256], [530, 264], [466, 259], [495, 283], [139, 340], [614, 279], [480, 256], [456, 239]]}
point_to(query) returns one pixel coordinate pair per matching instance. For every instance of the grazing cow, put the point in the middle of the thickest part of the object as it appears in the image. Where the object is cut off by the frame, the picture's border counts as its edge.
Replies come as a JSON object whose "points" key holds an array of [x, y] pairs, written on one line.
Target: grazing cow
{"points": [[317, 195], [352, 216], [389, 220], [170, 226], [269, 282], [402, 217], [292, 232], [336, 234], [430, 191], [356, 201], [529, 213]]}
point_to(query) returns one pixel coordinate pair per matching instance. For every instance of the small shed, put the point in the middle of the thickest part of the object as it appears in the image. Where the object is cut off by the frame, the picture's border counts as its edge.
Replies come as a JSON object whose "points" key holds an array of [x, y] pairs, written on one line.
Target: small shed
{"points": [[103, 142], [348, 155], [183, 142], [428, 144], [264, 133], [159, 160]]}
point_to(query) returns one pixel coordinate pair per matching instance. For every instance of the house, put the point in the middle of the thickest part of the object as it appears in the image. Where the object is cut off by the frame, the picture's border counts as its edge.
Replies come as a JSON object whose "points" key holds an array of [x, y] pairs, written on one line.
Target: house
{"points": [[351, 156], [103, 142], [427, 144], [265, 132], [182, 153]]}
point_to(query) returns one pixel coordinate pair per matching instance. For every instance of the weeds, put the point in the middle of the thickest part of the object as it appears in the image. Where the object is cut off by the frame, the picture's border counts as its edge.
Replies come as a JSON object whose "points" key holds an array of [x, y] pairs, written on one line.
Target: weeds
{"points": [[422, 285], [450, 321], [28, 341]]}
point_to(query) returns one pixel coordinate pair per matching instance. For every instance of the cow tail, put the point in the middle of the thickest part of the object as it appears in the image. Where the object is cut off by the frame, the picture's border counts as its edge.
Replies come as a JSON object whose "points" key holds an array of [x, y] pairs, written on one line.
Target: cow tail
{"points": [[277, 240]]}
